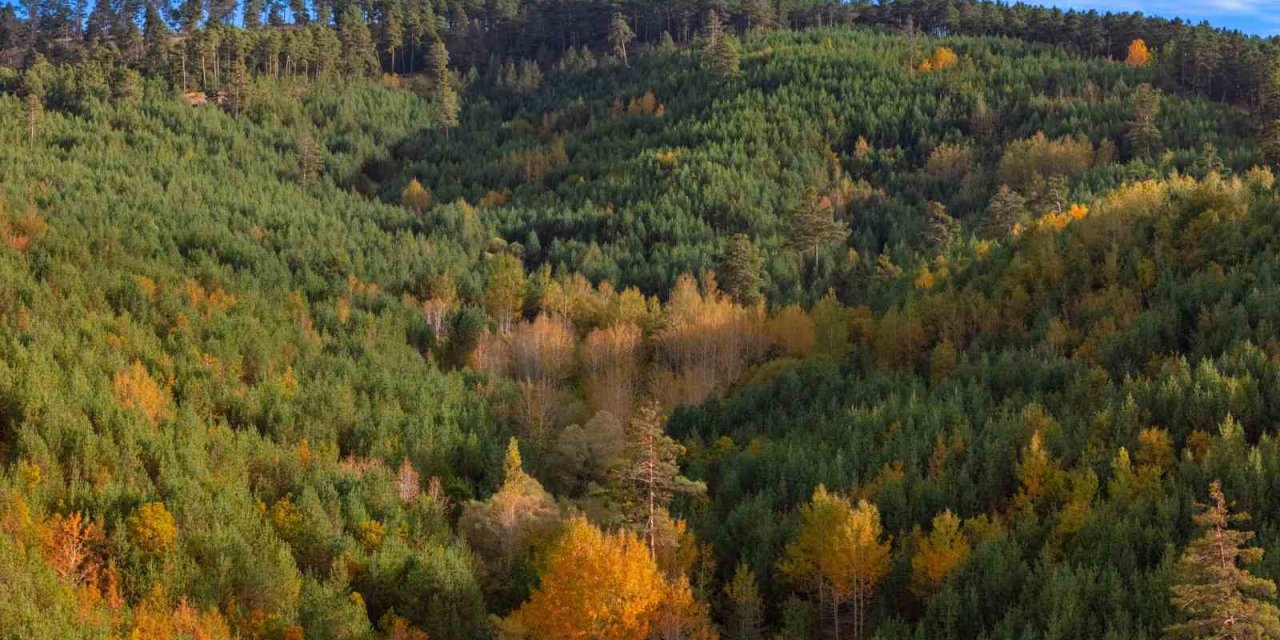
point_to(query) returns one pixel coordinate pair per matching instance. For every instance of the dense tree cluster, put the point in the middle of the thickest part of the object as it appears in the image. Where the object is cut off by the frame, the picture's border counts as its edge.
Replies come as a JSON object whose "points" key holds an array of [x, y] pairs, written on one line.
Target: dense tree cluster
{"points": [[669, 320]]}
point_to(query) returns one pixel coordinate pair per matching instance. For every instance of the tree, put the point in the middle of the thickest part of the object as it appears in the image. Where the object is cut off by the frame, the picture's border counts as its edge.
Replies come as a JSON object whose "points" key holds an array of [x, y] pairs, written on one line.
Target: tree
{"points": [[1215, 595], [1144, 133], [515, 520], [838, 554], [358, 55], [745, 608], [152, 529], [620, 35], [504, 291], [309, 159], [741, 271], [720, 50], [1007, 209], [938, 555], [1138, 56], [415, 197], [593, 585], [444, 96], [648, 474], [814, 226]]}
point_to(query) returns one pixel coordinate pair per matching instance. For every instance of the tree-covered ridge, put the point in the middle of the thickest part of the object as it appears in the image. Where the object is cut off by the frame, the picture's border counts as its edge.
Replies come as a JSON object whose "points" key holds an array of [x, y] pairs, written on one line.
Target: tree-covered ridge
{"points": [[873, 331]]}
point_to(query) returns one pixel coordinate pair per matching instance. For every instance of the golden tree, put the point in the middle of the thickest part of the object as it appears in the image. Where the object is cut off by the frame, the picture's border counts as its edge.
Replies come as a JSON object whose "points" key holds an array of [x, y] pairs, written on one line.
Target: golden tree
{"points": [[938, 555], [152, 529], [1139, 55], [838, 554], [593, 585]]}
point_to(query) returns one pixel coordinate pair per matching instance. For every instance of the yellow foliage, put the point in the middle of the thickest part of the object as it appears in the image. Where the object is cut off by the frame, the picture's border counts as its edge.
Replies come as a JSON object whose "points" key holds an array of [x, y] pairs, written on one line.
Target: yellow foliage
{"points": [[208, 301], [372, 532], [943, 57], [415, 197], [925, 279], [136, 389], [838, 549], [792, 331], [594, 585], [938, 555], [1139, 55], [152, 529]]}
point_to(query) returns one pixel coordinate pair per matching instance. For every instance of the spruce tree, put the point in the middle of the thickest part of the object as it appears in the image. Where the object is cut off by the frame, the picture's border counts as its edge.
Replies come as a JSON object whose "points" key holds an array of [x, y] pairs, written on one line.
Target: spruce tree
{"points": [[1216, 596]]}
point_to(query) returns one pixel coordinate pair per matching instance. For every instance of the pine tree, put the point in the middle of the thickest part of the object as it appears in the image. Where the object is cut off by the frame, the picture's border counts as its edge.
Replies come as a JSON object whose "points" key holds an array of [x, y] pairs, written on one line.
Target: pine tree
{"points": [[1217, 597], [445, 97], [358, 56], [1144, 133], [620, 35], [648, 474], [1006, 209], [813, 226], [741, 272], [720, 50]]}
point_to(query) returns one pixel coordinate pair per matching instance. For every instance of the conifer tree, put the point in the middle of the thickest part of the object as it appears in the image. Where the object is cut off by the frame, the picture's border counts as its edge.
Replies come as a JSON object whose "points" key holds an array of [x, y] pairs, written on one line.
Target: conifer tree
{"points": [[444, 96], [620, 35], [648, 474], [358, 56], [309, 159], [1217, 597], [720, 50], [1006, 209], [1144, 133], [741, 272], [813, 226]]}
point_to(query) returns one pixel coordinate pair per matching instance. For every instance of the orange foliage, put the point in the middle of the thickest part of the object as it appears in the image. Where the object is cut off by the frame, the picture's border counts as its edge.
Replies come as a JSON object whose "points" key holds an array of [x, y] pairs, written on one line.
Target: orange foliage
{"points": [[136, 389], [154, 620], [1139, 55], [207, 301], [937, 555], [943, 57], [708, 343], [594, 585], [610, 360], [68, 543], [792, 331]]}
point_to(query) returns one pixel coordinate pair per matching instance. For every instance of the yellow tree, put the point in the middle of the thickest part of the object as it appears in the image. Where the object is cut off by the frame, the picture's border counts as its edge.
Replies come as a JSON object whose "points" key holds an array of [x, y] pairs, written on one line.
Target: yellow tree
{"points": [[593, 585], [838, 552], [938, 554], [1139, 55]]}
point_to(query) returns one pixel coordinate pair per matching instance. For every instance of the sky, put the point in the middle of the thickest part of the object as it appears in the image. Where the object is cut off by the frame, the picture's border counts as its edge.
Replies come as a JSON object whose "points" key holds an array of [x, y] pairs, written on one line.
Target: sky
{"points": [[1260, 17]]}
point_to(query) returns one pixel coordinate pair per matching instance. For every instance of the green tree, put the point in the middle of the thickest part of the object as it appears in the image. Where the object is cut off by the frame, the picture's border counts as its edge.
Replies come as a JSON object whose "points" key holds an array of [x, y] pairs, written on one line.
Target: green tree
{"points": [[620, 35], [720, 50], [746, 611], [741, 271], [813, 226], [358, 55], [444, 95], [1217, 597], [1144, 132], [1006, 209]]}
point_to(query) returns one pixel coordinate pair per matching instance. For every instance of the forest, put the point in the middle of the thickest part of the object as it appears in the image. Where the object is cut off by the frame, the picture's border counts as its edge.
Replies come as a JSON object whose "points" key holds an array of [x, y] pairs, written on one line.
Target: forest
{"points": [[636, 320]]}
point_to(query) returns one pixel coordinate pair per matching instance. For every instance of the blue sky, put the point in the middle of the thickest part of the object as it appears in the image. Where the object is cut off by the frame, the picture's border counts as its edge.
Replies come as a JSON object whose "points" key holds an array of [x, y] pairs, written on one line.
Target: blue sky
{"points": [[1261, 17]]}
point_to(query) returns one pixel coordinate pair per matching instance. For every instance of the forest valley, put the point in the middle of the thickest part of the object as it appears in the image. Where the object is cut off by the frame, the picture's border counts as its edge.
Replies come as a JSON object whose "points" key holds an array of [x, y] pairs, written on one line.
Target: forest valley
{"points": [[693, 319]]}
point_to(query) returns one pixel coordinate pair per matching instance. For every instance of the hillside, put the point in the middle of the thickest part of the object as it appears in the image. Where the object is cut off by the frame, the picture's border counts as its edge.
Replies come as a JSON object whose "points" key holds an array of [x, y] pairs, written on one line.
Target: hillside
{"points": [[838, 330]]}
